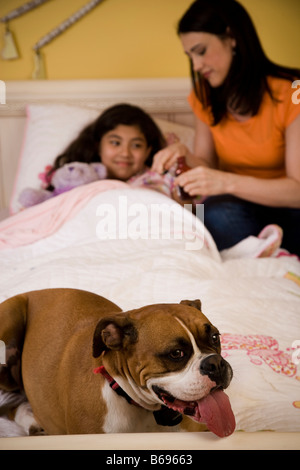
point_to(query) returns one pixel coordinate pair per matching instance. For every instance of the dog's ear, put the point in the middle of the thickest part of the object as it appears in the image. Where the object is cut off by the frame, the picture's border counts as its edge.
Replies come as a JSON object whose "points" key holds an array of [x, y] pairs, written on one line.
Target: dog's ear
{"points": [[192, 303], [113, 333]]}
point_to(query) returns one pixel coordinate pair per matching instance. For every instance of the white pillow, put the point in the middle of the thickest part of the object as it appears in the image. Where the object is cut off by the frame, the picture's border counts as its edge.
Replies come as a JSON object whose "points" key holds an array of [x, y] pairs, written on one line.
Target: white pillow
{"points": [[49, 130], [184, 133]]}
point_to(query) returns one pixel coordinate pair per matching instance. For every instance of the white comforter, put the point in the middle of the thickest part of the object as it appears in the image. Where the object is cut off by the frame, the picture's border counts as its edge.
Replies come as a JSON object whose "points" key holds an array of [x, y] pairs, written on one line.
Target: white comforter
{"points": [[113, 246]]}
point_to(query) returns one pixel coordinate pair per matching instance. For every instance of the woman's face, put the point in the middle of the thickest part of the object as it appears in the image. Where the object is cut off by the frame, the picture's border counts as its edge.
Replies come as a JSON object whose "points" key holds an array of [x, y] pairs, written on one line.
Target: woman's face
{"points": [[123, 151], [211, 56]]}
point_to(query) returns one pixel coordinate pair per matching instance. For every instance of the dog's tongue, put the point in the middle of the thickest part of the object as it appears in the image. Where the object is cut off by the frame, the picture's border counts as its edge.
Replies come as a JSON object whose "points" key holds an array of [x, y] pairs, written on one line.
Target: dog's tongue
{"points": [[215, 411]]}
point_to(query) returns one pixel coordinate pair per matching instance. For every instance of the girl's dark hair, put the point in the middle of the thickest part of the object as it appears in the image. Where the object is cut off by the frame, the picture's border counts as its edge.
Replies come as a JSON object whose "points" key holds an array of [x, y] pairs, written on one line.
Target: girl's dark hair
{"points": [[85, 148], [246, 82]]}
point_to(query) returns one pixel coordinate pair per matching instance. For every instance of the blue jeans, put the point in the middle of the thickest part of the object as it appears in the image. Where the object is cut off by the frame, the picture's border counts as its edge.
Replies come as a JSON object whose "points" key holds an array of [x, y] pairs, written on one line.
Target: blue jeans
{"points": [[230, 220]]}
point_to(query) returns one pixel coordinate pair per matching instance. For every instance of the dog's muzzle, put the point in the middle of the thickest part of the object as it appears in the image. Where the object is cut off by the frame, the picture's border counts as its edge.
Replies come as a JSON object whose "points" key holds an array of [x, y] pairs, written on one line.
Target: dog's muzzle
{"points": [[213, 409]]}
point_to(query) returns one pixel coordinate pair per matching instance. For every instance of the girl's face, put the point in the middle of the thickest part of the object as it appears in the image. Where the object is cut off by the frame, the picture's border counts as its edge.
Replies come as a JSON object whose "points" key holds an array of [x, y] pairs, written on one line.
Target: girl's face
{"points": [[211, 56], [123, 151]]}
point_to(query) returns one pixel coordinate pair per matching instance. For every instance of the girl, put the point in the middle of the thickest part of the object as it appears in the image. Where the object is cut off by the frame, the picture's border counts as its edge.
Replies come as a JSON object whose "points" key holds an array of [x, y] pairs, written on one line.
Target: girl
{"points": [[124, 138], [246, 157]]}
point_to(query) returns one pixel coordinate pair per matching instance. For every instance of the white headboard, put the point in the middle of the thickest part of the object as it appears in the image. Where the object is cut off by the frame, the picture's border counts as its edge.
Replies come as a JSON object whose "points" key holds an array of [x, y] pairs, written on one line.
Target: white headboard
{"points": [[165, 98]]}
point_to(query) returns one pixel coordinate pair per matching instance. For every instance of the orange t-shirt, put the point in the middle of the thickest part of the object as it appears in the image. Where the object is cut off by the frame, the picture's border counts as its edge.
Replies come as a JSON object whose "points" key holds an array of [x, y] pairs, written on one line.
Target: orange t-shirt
{"points": [[255, 147]]}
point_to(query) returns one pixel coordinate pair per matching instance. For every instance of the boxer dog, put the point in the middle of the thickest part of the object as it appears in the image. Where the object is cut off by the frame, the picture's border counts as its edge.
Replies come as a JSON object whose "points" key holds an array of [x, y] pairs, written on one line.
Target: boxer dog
{"points": [[88, 367]]}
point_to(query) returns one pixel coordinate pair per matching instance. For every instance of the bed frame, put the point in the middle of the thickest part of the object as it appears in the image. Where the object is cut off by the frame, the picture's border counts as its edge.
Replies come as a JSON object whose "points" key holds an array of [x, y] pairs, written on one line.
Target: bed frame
{"points": [[164, 98]]}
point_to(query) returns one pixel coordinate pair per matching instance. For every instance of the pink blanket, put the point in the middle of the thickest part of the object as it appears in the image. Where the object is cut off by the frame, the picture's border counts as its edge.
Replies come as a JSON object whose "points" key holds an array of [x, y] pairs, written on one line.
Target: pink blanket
{"points": [[44, 219]]}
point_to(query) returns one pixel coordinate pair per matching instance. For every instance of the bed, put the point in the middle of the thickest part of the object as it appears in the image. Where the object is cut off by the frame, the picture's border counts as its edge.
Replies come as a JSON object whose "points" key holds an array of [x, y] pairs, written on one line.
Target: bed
{"points": [[251, 293]]}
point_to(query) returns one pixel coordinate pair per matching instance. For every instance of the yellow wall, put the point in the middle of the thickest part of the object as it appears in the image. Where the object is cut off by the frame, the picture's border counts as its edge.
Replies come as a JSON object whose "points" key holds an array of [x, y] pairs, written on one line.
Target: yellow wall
{"points": [[132, 38]]}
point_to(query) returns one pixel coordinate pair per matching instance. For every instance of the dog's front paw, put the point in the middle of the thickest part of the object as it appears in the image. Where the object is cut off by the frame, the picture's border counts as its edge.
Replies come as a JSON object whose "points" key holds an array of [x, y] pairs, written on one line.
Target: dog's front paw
{"points": [[36, 430]]}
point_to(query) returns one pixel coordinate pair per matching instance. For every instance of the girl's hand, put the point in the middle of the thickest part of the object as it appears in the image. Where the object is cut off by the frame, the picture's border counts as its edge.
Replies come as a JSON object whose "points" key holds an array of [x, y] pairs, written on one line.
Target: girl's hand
{"points": [[203, 181], [165, 158]]}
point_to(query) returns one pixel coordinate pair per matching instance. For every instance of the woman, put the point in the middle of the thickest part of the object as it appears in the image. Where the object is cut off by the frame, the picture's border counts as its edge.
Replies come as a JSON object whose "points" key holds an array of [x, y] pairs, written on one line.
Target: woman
{"points": [[246, 159]]}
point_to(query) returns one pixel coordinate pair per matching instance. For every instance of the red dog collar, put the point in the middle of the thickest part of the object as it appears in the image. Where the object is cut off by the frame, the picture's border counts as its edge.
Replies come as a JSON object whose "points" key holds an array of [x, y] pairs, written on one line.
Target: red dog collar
{"points": [[165, 416], [114, 385]]}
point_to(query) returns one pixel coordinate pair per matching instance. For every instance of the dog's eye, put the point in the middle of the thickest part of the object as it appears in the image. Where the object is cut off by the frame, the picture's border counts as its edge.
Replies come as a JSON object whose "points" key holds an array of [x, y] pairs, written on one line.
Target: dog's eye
{"points": [[177, 354], [215, 338]]}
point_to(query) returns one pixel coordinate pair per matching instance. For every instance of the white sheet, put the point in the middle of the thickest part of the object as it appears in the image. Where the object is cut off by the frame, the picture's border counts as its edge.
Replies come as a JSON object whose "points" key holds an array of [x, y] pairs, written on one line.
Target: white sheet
{"points": [[255, 303]]}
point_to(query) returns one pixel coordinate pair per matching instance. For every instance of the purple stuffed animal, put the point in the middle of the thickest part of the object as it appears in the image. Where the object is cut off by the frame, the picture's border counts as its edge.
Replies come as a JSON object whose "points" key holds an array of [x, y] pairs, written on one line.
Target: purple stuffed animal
{"points": [[65, 178]]}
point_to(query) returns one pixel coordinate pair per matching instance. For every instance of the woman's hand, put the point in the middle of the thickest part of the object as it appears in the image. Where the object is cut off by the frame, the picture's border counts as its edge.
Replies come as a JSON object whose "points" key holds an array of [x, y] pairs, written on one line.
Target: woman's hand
{"points": [[203, 181], [165, 158]]}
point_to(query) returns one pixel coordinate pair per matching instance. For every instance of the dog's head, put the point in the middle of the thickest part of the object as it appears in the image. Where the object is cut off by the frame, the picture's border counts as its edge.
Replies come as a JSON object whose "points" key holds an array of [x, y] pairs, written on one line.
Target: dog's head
{"points": [[169, 354]]}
